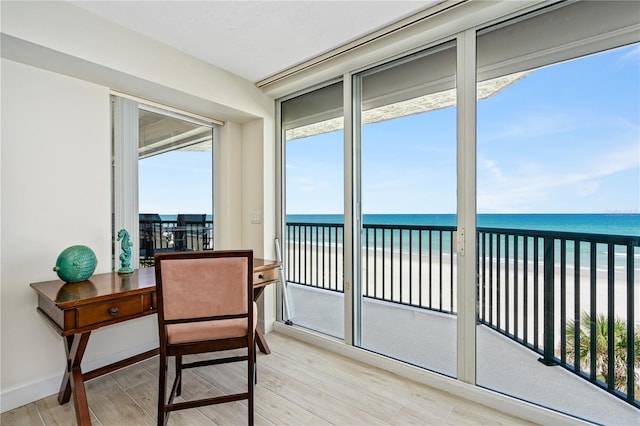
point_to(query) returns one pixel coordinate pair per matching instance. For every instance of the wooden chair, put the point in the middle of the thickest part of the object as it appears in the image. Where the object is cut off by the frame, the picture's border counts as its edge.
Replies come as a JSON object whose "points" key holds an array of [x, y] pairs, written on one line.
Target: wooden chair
{"points": [[205, 304], [150, 236], [191, 232]]}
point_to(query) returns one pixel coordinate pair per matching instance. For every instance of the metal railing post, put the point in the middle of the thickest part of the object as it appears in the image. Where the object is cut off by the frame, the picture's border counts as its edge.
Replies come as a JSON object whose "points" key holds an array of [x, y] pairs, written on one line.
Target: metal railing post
{"points": [[549, 315]]}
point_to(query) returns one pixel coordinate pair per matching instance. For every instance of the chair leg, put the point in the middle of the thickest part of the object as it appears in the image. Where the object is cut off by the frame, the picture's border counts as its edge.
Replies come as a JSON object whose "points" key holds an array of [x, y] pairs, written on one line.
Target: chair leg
{"points": [[251, 363], [179, 374], [162, 389]]}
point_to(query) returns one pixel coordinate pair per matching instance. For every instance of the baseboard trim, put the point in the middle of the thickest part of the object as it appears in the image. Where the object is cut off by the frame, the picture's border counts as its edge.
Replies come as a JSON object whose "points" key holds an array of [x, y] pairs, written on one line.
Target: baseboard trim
{"points": [[30, 392]]}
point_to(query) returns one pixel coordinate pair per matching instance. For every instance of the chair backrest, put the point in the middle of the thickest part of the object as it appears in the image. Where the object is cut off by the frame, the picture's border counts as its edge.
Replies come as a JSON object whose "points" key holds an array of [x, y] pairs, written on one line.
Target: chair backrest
{"points": [[192, 285], [149, 217], [150, 236], [191, 219], [149, 223], [192, 235]]}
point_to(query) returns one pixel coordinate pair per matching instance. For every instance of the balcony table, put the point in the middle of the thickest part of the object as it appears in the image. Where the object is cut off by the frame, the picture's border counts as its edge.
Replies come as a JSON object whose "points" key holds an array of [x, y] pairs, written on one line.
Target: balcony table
{"points": [[76, 309]]}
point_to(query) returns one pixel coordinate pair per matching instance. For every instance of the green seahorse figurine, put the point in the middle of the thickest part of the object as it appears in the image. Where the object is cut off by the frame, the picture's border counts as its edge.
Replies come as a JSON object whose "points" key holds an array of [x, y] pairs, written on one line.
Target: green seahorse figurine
{"points": [[125, 256]]}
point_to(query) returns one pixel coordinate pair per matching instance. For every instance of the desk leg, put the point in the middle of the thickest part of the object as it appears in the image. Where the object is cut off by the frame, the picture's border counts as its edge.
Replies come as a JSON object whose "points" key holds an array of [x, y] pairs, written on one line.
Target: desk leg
{"points": [[260, 340], [72, 381]]}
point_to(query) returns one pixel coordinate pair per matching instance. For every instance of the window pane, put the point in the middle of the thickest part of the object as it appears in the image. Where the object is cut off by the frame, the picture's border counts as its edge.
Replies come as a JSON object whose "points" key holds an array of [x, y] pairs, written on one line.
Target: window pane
{"points": [[559, 152], [409, 210], [175, 170], [313, 251]]}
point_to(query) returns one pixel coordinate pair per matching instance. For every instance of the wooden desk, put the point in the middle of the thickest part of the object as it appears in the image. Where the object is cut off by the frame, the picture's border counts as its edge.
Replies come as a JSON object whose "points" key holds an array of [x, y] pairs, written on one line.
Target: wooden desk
{"points": [[76, 309]]}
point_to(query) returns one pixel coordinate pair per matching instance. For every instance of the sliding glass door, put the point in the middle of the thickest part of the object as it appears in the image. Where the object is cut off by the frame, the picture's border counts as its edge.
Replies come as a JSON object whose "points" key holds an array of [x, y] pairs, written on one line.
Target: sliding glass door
{"points": [[313, 134], [407, 114], [491, 201]]}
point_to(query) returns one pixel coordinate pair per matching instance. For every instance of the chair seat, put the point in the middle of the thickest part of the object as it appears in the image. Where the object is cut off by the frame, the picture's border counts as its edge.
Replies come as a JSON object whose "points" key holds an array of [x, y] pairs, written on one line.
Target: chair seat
{"points": [[209, 330]]}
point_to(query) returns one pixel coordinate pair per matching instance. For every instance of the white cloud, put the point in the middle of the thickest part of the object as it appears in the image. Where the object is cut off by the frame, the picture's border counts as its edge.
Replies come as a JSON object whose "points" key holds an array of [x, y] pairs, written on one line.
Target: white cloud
{"points": [[533, 126], [633, 55], [533, 187]]}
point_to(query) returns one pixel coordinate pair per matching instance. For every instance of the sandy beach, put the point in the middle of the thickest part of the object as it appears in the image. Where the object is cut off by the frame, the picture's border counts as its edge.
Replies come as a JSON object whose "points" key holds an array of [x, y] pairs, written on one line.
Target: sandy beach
{"points": [[430, 281]]}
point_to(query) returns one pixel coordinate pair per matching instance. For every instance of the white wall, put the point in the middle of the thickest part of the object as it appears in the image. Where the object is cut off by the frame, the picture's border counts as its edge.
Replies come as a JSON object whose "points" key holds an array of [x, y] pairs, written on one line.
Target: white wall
{"points": [[258, 201], [57, 68], [56, 150], [253, 179], [227, 152]]}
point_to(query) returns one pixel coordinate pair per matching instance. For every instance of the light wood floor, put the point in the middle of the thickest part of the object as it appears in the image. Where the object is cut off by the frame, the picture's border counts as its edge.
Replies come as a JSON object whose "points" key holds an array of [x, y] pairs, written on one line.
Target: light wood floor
{"points": [[298, 384]]}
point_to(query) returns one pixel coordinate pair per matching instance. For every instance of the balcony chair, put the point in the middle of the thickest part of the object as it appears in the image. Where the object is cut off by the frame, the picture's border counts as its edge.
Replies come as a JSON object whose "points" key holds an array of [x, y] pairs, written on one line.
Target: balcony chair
{"points": [[190, 232], [205, 305], [150, 236]]}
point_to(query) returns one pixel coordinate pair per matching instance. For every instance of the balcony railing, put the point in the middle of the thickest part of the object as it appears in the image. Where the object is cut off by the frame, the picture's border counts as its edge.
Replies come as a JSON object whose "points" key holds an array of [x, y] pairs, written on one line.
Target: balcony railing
{"points": [[163, 235], [314, 255], [410, 265], [549, 291]]}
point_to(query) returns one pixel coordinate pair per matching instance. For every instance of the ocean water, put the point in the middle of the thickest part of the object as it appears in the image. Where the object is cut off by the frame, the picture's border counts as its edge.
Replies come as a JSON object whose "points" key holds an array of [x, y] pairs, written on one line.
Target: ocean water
{"points": [[174, 217], [608, 224], [406, 242]]}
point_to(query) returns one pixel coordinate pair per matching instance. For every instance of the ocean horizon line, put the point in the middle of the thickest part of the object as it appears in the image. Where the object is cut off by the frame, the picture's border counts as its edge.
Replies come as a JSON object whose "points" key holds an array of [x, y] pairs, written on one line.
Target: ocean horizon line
{"points": [[591, 223]]}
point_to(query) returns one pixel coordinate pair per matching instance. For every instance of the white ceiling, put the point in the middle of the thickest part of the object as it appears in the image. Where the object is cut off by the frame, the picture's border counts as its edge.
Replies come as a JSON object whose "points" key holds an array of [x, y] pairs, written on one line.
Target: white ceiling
{"points": [[255, 39]]}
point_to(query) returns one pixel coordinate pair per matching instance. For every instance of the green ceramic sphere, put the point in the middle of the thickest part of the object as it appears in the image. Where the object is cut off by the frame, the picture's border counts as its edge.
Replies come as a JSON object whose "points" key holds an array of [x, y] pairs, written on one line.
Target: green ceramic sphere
{"points": [[76, 263]]}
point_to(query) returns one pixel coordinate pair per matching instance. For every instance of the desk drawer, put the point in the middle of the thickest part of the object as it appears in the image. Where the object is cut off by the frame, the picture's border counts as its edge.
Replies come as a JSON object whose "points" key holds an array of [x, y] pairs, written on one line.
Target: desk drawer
{"points": [[109, 311], [265, 277]]}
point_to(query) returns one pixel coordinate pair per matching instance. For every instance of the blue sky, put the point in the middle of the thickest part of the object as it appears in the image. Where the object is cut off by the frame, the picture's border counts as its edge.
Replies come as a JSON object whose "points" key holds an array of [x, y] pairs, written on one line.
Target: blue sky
{"points": [[565, 139], [175, 182]]}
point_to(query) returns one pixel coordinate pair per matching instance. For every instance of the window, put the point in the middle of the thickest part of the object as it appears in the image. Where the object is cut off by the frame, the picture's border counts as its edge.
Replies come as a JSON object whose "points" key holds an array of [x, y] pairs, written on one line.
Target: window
{"points": [[313, 139], [408, 186], [163, 179], [558, 151]]}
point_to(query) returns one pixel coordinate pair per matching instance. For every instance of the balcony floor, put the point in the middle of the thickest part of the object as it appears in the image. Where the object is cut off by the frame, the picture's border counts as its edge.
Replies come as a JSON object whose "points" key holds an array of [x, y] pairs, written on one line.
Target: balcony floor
{"points": [[428, 339]]}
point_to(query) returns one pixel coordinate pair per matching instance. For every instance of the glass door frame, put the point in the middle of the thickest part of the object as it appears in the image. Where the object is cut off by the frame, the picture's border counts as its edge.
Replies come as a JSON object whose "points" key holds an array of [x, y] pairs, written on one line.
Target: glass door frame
{"points": [[465, 244], [466, 199], [466, 203], [465, 237], [352, 210]]}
